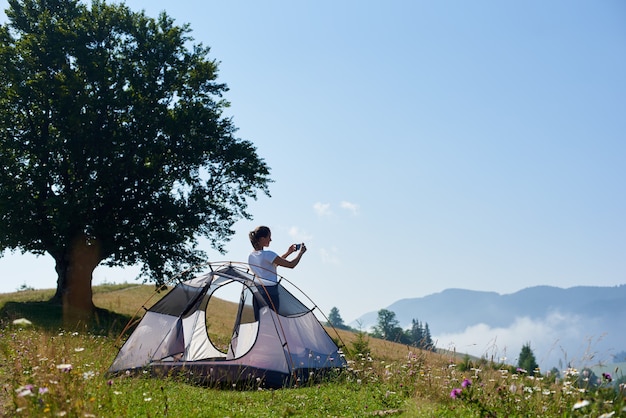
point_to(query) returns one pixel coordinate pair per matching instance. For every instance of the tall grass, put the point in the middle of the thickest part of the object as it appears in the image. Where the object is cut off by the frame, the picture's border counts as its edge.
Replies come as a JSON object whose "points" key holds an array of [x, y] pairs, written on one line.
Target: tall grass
{"points": [[48, 371]]}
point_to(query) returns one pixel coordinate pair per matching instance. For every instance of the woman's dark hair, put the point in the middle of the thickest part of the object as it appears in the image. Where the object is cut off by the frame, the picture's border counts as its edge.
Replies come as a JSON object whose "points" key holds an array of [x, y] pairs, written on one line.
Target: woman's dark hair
{"points": [[259, 232]]}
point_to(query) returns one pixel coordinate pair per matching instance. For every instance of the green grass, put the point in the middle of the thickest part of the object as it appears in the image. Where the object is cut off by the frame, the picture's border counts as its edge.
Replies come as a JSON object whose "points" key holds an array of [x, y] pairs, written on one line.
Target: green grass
{"points": [[47, 371]]}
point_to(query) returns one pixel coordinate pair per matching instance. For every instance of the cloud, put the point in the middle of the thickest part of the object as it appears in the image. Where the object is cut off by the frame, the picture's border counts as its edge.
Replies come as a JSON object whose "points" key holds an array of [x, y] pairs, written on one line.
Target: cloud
{"points": [[555, 340], [299, 235], [322, 209], [352, 207], [330, 256]]}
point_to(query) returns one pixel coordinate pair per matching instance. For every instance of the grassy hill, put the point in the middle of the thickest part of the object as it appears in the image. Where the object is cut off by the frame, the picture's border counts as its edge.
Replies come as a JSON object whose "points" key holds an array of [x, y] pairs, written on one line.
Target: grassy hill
{"points": [[48, 371], [118, 303]]}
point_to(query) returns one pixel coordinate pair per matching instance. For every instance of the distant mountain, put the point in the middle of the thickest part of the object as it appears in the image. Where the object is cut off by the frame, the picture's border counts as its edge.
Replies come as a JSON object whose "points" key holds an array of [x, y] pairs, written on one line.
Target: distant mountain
{"points": [[557, 320]]}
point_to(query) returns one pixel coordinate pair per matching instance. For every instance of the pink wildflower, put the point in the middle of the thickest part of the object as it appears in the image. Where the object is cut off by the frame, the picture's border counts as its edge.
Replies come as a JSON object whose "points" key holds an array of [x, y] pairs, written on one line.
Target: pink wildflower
{"points": [[456, 392]]}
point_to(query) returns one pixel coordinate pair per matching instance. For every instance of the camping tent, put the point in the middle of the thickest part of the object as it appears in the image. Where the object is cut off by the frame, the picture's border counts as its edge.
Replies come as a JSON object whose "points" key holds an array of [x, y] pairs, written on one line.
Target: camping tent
{"points": [[272, 345]]}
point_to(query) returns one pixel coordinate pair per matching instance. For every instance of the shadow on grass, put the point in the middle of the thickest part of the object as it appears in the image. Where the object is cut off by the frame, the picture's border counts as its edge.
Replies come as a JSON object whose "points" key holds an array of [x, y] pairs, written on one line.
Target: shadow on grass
{"points": [[49, 315]]}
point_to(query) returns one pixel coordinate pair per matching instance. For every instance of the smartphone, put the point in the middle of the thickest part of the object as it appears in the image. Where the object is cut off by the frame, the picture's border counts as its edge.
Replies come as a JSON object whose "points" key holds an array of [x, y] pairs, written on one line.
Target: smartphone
{"points": [[298, 246]]}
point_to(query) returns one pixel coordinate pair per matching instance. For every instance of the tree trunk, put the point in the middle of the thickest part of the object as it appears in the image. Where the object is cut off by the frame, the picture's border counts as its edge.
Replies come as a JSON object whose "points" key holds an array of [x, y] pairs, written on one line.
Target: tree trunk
{"points": [[75, 268]]}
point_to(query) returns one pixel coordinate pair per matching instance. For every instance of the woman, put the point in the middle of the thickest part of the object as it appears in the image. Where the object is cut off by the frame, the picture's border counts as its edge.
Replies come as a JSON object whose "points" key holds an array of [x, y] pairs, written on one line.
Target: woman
{"points": [[264, 262]]}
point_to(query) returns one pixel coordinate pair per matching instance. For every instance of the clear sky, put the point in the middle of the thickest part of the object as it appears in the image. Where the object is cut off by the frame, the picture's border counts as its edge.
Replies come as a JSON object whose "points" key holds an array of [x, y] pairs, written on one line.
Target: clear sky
{"points": [[421, 145]]}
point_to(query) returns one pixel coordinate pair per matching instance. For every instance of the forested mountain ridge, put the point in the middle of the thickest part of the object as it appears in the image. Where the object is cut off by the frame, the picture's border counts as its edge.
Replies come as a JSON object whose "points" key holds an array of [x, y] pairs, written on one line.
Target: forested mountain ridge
{"points": [[453, 310], [561, 324]]}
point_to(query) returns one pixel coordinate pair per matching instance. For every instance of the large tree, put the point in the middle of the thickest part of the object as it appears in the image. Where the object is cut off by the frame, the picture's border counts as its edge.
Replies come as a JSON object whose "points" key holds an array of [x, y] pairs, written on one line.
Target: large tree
{"points": [[387, 326], [114, 148]]}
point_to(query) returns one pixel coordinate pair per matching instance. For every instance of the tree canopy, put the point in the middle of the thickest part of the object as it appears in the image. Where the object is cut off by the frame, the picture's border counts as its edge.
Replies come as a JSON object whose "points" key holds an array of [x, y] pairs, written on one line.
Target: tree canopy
{"points": [[527, 360], [114, 146], [388, 328], [335, 319]]}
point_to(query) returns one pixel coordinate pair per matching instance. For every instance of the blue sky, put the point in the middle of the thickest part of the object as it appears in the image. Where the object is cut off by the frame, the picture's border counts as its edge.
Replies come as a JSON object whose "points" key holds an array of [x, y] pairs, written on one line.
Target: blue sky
{"points": [[418, 146]]}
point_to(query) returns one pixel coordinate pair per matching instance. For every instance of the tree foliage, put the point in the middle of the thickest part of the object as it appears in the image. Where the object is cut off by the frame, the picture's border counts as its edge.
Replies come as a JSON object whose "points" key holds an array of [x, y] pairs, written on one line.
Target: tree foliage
{"points": [[335, 319], [419, 335], [388, 328], [113, 143], [527, 360]]}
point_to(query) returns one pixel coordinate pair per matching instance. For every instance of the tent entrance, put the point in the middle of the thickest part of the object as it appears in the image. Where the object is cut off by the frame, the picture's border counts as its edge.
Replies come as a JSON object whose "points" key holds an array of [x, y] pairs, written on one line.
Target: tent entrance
{"points": [[231, 326]]}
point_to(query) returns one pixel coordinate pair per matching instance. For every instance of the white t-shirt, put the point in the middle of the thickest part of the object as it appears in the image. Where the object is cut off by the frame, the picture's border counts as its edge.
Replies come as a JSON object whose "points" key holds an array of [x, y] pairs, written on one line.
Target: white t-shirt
{"points": [[262, 264]]}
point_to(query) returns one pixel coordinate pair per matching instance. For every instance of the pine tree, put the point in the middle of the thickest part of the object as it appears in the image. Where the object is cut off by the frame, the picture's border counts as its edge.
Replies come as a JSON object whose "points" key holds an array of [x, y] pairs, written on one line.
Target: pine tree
{"points": [[527, 360], [428, 341], [420, 335], [334, 319]]}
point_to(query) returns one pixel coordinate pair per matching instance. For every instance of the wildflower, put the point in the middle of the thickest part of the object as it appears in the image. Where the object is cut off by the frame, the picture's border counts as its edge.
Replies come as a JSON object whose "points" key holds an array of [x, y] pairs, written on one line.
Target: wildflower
{"points": [[43, 390], [607, 415], [22, 322], [520, 370], [581, 404], [607, 377], [64, 367], [79, 349], [88, 375], [456, 393], [571, 372], [24, 391], [109, 382], [466, 383], [512, 388]]}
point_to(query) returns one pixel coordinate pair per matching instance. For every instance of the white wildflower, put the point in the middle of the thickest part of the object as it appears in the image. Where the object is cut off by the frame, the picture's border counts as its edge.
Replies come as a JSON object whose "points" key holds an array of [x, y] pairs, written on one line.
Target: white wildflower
{"points": [[64, 367], [24, 391], [581, 404]]}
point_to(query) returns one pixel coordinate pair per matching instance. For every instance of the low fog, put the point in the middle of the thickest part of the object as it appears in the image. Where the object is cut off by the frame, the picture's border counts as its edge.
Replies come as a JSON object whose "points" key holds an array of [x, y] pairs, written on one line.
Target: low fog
{"points": [[557, 340]]}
